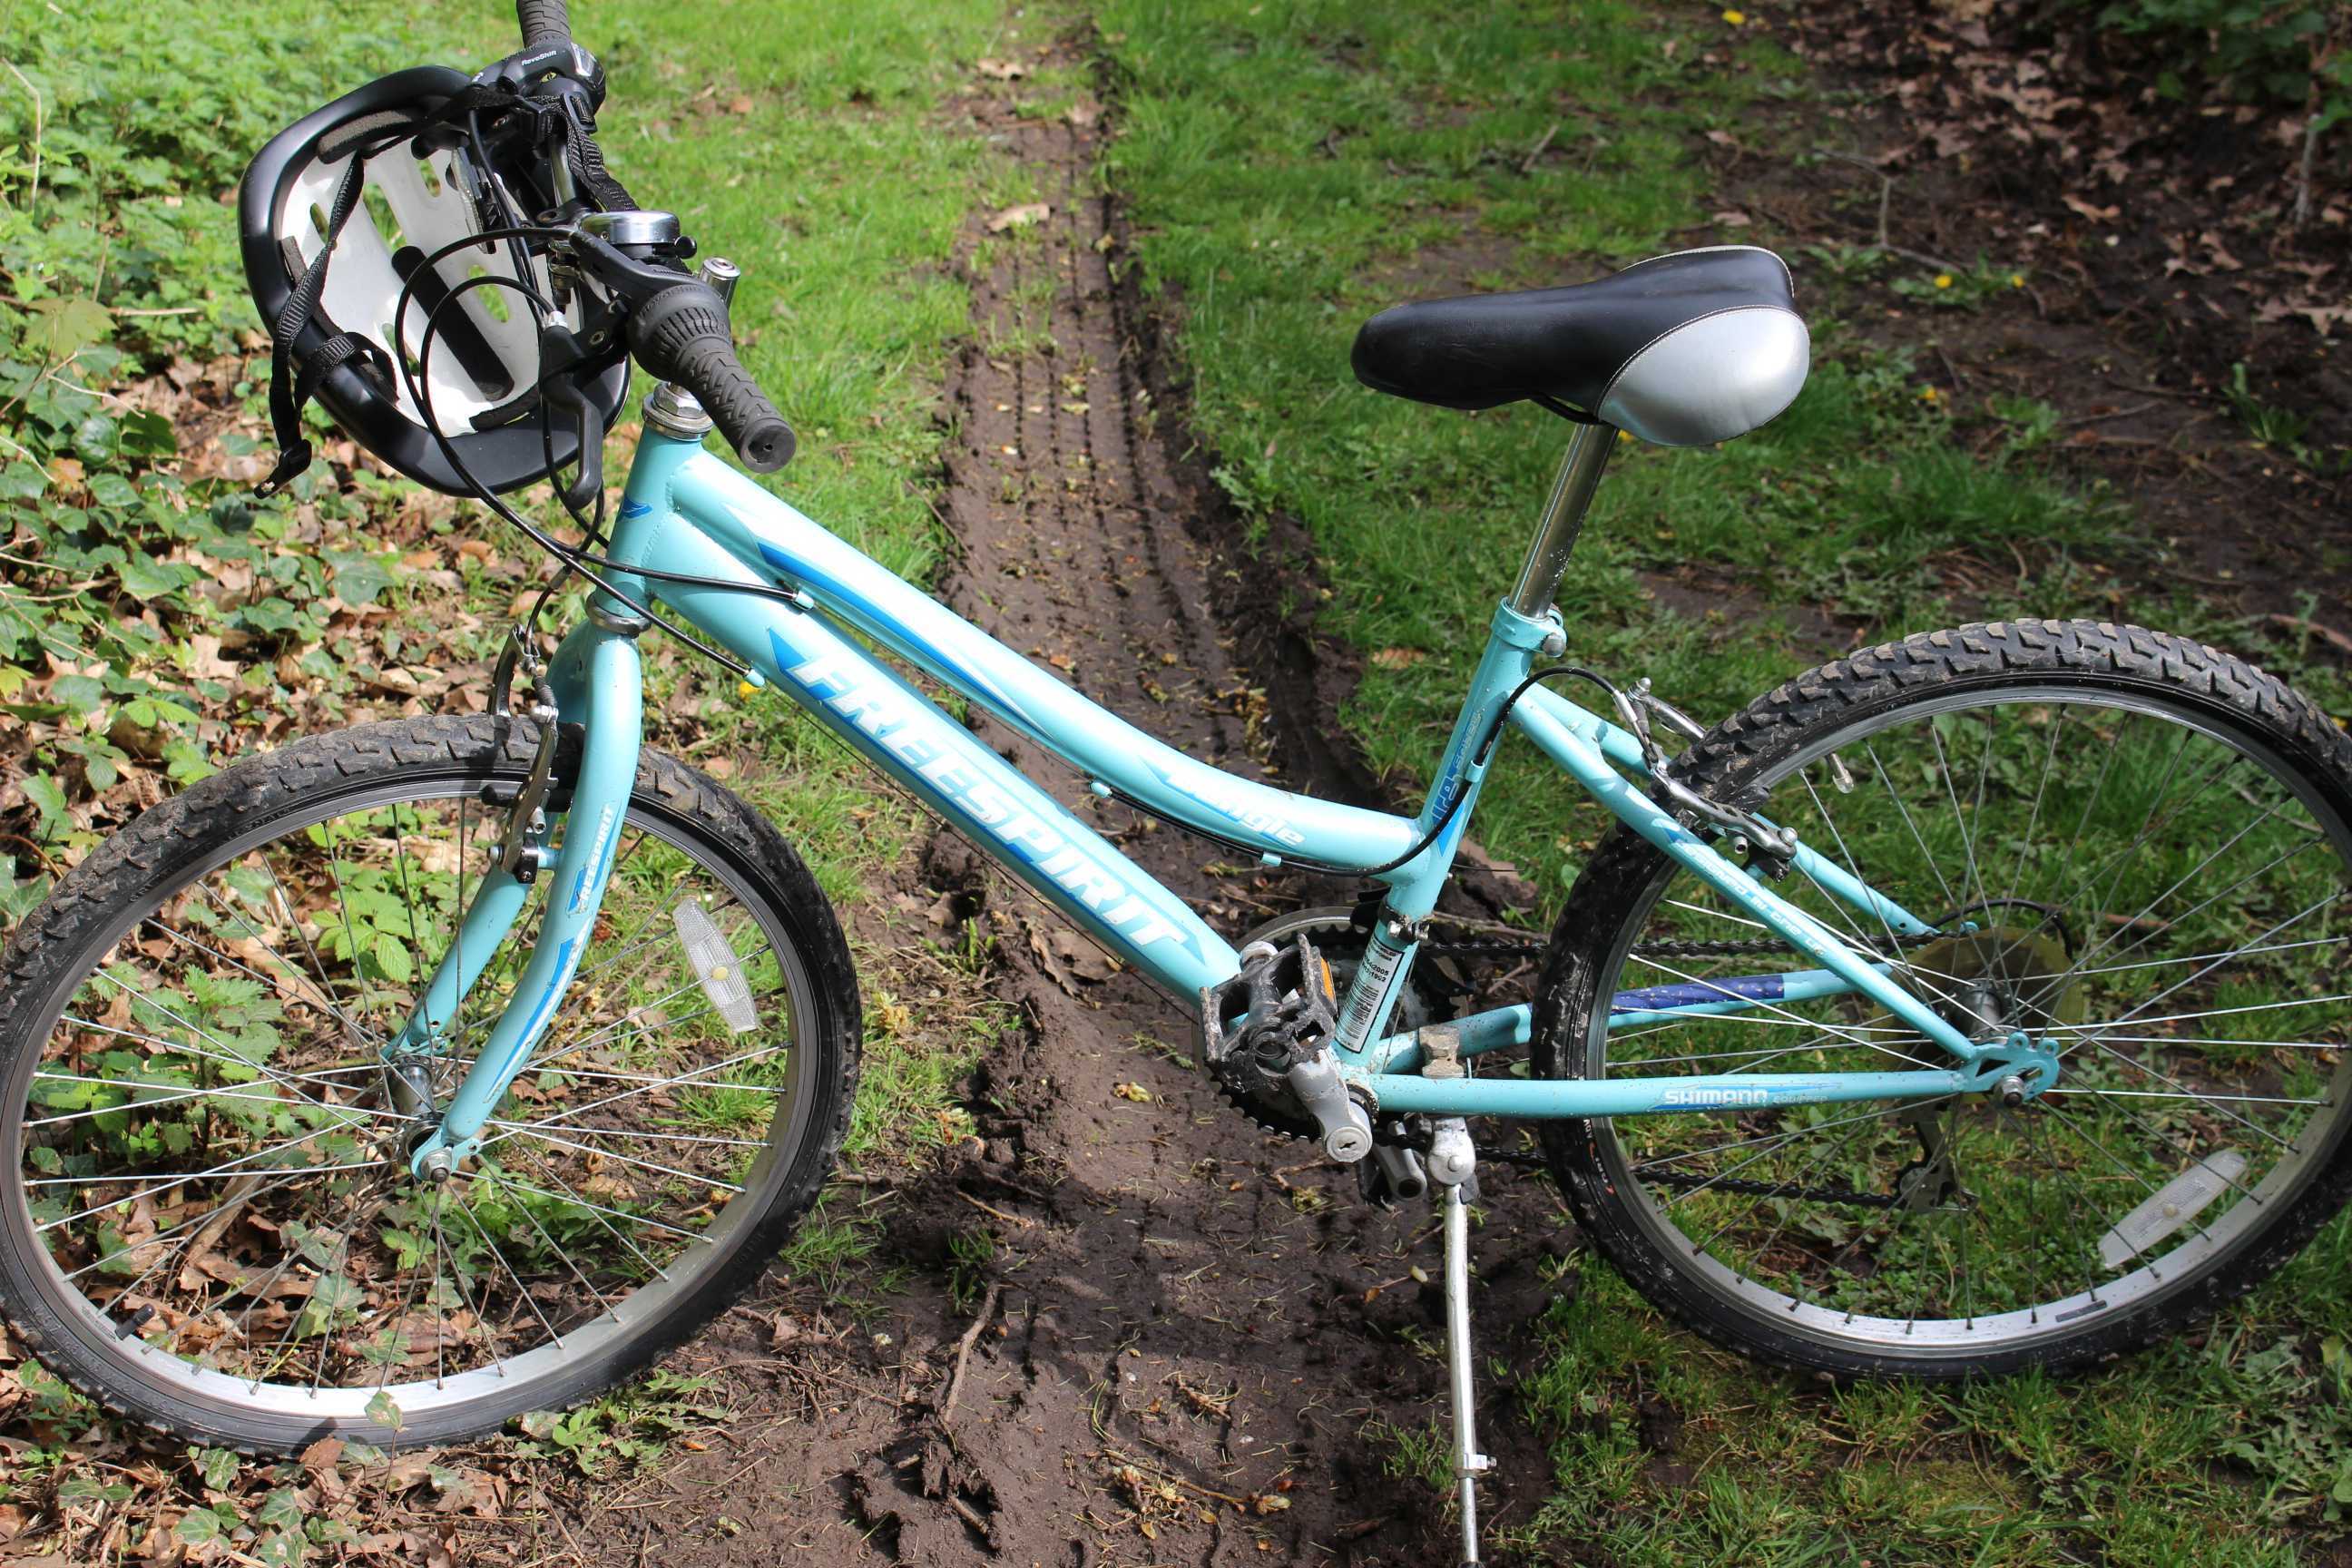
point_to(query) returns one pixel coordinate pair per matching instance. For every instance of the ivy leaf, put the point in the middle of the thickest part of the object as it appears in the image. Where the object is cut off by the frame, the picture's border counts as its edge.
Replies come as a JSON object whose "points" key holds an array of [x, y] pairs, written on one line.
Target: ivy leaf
{"points": [[79, 693], [65, 326], [147, 433], [143, 578], [114, 490], [199, 1527], [217, 1466], [44, 792], [359, 579], [384, 1411]]}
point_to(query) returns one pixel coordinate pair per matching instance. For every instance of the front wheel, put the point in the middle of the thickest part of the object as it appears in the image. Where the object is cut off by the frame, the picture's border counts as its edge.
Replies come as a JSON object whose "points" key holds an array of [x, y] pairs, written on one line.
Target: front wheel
{"points": [[2131, 847], [206, 1218]]}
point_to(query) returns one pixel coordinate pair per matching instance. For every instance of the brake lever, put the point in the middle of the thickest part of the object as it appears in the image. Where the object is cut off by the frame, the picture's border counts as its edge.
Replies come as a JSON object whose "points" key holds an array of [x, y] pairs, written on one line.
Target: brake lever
{"points": [[629, 281], [552, 63], [560, 352]]}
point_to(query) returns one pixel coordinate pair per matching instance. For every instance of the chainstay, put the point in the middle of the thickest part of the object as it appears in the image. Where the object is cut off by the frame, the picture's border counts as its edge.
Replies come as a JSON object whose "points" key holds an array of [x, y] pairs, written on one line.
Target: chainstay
{"points": [[1741, 1184]]}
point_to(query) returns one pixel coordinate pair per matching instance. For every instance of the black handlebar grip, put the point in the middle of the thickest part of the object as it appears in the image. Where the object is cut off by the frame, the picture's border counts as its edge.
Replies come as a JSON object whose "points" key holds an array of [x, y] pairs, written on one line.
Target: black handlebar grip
{"points": [[681, 335], [543, 22]]}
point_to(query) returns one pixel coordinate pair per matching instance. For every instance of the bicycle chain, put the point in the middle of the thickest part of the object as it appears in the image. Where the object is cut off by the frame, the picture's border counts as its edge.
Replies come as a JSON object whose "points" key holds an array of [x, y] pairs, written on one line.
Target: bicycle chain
{"points": [[1685, 947]]}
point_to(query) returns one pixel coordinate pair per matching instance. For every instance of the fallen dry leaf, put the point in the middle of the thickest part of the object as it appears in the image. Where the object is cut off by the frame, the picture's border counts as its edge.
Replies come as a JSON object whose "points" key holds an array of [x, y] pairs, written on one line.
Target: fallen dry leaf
{"points": [[1020, 216]]}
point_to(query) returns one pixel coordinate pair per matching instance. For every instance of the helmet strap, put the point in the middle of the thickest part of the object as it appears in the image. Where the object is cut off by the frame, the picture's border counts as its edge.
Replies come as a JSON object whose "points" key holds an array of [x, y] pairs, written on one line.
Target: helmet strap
{"points": [[287, 391]]}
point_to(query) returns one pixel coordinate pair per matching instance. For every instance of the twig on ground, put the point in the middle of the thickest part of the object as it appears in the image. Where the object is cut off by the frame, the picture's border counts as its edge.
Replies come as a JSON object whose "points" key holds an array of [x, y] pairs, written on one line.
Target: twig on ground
{"points": [[2159, 391], [992, 1209], [33, 190], [963, 1351], [1886, 200], [1527, 164], [2110, 414], [1960, 382], [1148, 1467], [2338, 640]]}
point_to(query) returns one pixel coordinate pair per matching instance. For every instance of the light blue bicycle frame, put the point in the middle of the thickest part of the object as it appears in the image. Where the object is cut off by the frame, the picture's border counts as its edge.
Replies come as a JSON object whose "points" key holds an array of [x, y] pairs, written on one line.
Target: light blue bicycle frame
{"points": [[687, 513]]}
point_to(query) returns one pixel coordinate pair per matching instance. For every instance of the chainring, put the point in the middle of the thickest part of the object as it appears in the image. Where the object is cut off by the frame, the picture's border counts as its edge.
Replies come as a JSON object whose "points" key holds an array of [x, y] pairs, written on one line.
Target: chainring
{"points": [[1332, 932]]}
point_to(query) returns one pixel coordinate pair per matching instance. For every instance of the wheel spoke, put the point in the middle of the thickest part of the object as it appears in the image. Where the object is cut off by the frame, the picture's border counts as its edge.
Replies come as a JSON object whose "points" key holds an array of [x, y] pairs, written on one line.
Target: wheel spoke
{"points": [[2190, 980], [211, 1151]]}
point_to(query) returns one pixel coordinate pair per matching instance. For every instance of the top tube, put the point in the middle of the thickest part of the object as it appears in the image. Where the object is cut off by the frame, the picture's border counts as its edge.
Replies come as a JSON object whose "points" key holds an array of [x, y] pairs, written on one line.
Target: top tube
{"points": [[779, 541]]}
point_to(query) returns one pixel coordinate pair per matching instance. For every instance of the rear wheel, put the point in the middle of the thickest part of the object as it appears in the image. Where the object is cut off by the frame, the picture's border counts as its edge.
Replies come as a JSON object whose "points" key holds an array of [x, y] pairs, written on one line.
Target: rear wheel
{"points": [[206, 1218], [2135, 850]]}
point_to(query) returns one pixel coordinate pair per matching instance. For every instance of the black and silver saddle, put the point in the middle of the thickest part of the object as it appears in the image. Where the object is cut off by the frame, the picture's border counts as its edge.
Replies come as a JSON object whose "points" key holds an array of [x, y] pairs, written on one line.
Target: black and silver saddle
{"points": [[1683, 350]]}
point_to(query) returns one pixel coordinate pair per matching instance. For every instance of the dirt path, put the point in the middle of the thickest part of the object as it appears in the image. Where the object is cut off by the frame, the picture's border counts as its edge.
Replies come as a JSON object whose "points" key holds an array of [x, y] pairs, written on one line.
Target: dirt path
{"points": [[1171, 1331]]}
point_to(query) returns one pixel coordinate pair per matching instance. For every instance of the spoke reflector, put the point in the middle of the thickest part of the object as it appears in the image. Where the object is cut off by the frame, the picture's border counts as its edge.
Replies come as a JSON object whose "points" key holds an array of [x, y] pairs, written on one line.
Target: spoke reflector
{"points": [[716, 966], [2169, 1207]]}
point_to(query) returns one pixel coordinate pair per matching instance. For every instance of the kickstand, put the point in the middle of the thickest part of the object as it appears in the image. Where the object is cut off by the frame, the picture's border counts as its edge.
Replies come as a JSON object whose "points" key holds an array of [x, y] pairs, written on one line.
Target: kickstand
{"points": [[1454, 1170]]}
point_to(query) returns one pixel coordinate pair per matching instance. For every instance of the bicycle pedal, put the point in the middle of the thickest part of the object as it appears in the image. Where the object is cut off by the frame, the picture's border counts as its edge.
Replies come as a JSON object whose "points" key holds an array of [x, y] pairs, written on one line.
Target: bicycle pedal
{"points": [[1280, 1006], [1265, 1035]]}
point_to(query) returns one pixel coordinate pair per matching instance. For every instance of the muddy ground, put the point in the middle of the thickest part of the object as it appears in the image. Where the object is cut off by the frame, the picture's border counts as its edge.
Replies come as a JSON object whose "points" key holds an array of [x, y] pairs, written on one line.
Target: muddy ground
{"points": [[2159, 271], [1184, 1325]]}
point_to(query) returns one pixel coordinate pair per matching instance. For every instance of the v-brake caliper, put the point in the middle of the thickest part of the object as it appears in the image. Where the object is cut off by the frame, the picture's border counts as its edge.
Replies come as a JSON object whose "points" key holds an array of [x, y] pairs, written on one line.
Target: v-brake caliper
{"points": [[522, 851]]}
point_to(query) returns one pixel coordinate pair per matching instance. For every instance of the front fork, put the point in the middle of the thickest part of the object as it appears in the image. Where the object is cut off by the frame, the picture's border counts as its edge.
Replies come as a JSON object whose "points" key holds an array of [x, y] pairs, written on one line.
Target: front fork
{"points": [[596, 682]]}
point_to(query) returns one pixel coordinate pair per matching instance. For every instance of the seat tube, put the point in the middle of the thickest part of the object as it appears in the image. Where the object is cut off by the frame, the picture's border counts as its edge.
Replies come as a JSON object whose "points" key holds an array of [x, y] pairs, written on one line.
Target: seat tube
{"points": [[1523, 625], [1412, 888], [1562, 520]]}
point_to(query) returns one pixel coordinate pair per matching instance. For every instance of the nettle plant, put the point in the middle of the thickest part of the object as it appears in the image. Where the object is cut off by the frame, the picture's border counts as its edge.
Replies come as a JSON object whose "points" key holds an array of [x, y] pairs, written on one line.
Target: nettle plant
{"points": [[144, 607]]}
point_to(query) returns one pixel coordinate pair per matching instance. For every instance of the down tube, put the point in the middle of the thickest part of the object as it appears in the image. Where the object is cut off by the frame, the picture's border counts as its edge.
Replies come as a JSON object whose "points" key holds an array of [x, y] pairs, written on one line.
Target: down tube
{"points": [[1066, 862]]}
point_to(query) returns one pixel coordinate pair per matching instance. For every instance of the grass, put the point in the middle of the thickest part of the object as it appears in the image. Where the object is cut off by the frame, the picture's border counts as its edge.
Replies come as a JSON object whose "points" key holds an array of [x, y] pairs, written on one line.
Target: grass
{"points": [[1291, 168], [153, 624]]}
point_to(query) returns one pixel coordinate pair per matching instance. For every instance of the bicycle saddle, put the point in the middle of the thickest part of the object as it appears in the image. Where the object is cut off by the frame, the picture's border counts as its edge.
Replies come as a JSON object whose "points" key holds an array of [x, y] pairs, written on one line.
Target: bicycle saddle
{"points": [[1683, 350]]}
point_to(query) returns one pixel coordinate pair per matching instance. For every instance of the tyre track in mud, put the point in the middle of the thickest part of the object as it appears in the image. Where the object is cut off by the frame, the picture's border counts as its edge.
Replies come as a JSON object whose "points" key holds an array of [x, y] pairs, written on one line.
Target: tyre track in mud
{"points": [[1187, 1325], [1201, 1317]]}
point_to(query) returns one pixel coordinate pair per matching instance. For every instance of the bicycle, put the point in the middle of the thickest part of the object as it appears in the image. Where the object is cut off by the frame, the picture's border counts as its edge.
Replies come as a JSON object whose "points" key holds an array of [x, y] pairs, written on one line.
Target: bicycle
{"points": [[1968, 1003]]}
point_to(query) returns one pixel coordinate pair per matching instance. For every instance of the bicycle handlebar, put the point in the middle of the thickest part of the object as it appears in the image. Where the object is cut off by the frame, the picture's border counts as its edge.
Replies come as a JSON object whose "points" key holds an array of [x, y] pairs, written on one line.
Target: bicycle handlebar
{"points": [[681, 335], [543, 22]]}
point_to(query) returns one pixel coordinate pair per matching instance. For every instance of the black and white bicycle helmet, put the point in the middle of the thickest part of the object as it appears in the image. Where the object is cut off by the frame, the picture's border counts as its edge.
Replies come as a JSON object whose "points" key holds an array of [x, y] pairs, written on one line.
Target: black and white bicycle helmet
{"points": [[427, 181]]}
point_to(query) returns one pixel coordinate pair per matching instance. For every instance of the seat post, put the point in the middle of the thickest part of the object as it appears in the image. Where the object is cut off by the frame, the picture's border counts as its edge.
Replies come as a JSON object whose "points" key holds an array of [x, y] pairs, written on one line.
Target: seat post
{"points": [[1563, 519]]}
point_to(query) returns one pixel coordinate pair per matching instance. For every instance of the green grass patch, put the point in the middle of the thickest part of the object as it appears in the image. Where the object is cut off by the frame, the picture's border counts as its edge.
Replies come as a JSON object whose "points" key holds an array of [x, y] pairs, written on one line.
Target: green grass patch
{"points": [[1290, 169]]}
